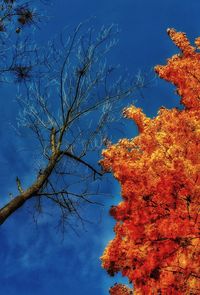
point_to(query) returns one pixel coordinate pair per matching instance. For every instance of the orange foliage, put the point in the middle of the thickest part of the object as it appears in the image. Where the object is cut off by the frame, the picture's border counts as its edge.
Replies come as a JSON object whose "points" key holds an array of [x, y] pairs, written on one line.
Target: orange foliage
{"points": [[157, 223], [119, 289]]}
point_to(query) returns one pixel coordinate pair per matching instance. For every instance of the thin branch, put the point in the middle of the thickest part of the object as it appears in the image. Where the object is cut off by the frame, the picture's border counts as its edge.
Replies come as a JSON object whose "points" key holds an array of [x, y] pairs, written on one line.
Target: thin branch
{"points": [[68, 154]]}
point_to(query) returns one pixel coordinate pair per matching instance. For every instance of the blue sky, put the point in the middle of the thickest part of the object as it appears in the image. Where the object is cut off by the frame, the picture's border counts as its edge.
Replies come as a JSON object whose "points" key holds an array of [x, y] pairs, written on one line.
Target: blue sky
{"points": [[35, 259]]}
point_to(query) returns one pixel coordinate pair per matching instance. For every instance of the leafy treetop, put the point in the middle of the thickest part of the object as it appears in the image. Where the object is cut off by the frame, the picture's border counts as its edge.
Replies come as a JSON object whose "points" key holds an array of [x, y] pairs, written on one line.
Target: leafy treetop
{"points": [[157, 223]]}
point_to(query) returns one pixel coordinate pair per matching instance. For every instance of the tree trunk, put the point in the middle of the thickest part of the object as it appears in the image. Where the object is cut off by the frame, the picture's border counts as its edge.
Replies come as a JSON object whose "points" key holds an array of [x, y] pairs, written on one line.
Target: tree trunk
{"points": [[11, 207], [32, 191]]}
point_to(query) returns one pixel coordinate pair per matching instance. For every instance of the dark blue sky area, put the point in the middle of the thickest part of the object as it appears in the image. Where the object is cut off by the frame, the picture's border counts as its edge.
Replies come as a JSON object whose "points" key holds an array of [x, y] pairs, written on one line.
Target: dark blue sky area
{"points": [[35, 260]]}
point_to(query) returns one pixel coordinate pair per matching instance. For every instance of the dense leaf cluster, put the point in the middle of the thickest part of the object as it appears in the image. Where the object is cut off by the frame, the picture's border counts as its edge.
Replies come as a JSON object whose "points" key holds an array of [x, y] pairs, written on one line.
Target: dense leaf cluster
{"points": [[157, 223]]}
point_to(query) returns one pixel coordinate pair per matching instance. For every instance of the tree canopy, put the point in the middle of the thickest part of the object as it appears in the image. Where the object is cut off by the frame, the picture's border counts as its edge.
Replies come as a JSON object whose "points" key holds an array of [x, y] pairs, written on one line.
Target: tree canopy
{"points": [[156, 244]]}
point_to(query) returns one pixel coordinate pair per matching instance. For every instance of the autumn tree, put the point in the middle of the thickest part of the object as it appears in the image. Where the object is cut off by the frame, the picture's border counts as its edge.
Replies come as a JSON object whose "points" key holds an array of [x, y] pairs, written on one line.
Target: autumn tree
{"points": [[156, 244]]}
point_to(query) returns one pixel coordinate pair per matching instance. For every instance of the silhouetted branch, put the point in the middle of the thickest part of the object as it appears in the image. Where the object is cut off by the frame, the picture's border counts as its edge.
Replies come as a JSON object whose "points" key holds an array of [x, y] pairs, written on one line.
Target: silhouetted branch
{"points": [[69, 107]]}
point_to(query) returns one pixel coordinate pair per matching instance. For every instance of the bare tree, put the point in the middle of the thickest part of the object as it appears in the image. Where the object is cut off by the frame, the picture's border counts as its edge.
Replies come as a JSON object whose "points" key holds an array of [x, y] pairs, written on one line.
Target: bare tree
{"points": [[68, 108]]}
